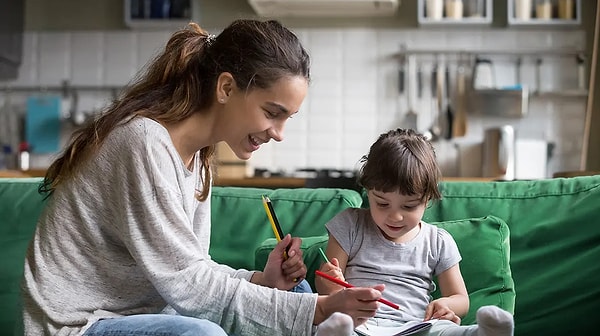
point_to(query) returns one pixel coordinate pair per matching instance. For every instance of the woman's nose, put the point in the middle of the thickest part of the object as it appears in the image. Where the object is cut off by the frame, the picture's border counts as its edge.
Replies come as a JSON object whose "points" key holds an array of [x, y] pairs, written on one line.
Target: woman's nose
{"points": [[276, 132]]}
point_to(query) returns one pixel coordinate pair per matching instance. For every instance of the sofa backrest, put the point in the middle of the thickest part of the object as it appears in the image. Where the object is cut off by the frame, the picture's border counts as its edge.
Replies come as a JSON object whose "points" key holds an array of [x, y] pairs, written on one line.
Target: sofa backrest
{"points": [[240, 224], [554, 243]]}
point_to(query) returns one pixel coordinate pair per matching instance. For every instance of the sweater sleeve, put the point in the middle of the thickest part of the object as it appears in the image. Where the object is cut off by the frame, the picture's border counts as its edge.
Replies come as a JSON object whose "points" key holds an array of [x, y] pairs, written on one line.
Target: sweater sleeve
{"points": [[167, 233]]}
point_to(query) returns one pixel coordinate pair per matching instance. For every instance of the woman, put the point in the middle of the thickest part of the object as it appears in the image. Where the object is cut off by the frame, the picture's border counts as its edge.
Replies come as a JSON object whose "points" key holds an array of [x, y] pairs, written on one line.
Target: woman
{"points": [[122, 245]]}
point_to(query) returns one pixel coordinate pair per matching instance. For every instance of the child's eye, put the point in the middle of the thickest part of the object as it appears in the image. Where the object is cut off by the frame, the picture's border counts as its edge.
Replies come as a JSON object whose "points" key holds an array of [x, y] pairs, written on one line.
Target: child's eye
{"points": [[382, 205]]}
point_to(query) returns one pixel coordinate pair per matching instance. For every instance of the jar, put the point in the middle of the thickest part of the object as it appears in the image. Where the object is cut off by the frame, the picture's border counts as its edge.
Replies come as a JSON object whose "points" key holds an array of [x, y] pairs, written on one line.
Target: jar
{"points": [[566, 9], [543, 9], [522, 9], [434, 9], [475, 8], [454, 9]]}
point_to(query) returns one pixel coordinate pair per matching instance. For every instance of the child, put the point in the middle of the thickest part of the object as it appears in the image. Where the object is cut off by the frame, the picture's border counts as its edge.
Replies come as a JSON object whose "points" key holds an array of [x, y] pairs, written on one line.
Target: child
{"points": [[389, 243]]}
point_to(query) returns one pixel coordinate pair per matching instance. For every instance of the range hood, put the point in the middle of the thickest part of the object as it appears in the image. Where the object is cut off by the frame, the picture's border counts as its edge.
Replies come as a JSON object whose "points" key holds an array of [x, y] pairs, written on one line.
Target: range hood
{"points": [[324, 8]]}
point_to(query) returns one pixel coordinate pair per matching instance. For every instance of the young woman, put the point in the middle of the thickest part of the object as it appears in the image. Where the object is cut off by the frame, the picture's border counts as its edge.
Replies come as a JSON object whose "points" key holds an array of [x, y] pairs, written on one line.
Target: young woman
{"points": [[122, 245], [388, 243]]}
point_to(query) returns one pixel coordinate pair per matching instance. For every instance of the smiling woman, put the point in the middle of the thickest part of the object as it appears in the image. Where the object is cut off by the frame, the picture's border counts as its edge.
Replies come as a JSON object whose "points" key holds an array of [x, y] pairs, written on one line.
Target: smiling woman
{"points": [[133, 248]]}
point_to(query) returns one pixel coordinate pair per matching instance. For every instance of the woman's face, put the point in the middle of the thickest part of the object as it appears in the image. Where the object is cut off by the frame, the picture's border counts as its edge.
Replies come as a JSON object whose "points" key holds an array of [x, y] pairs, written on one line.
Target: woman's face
{"points": [[397, 216], [256, 117]]}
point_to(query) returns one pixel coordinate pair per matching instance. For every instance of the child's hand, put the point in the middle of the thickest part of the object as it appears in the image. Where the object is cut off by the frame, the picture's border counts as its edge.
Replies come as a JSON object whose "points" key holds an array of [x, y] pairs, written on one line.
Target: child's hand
{"points": [[439, 309], [333, 269]]}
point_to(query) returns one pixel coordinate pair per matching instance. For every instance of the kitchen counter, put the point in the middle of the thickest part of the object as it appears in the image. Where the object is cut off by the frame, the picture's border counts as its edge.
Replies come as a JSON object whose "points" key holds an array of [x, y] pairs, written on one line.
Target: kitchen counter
{"points": [[255, 182]]}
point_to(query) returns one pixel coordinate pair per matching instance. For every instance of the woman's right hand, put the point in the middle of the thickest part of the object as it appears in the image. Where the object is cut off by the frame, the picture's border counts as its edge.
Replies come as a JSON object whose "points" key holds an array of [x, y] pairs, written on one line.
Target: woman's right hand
{"points": [[360, 303]]}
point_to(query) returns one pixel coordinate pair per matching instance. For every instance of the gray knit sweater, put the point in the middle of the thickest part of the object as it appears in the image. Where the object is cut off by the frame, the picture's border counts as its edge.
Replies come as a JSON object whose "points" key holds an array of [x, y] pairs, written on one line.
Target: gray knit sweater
{"points": [[127, 236]]}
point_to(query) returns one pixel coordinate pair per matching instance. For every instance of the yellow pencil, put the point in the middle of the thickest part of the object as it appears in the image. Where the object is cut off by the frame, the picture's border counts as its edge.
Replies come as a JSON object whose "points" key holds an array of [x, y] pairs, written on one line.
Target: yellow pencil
{"points": [[272, 218], [274, 222]]}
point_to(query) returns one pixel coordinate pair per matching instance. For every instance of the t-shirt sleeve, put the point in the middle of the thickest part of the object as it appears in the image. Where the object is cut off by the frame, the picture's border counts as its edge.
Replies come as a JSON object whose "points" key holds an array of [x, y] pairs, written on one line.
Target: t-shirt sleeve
{"points": [[448, 252], [343, 227]]}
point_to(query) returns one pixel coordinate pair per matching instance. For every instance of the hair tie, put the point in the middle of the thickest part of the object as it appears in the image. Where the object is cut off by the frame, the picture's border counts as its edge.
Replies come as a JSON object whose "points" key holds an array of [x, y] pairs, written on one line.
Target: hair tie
{"points": [[210, 39]]}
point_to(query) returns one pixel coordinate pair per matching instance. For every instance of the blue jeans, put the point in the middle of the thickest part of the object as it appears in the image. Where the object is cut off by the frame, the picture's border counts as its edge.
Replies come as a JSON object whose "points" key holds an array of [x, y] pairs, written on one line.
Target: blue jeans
{"points": [[302, 287], [154, 325], [165, 324]]}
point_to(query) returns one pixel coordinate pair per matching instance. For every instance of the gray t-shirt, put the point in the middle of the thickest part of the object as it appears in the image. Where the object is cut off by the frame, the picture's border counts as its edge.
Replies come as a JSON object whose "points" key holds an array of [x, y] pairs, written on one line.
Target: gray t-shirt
{"points": [[406, 269], [127, 236]]}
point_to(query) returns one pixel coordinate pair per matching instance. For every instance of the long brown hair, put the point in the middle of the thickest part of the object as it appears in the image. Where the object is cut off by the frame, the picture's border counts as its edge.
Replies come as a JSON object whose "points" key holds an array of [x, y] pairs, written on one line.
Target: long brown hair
{"points": [[181, 81], [401, 160]]}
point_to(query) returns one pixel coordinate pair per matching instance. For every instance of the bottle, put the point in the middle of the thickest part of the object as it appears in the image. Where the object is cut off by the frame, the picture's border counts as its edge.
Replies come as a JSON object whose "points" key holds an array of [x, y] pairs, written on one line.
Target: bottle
{"points": [[24, 156]]}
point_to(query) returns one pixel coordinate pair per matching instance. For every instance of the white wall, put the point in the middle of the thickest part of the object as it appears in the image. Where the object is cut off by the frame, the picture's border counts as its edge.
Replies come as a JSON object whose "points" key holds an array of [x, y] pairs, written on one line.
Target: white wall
{"points": [[353, 96]]}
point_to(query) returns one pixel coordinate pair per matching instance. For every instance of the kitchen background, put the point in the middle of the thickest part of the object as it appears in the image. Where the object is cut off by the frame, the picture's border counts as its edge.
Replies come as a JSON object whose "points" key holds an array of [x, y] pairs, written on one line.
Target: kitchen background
{"points": [[71, 68]]}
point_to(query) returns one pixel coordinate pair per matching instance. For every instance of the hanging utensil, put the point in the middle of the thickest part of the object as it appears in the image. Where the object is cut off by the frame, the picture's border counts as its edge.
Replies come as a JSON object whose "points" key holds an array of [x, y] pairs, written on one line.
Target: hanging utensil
{"points": [[411, 117], [449, 122], [433, 132], [459, 126]]}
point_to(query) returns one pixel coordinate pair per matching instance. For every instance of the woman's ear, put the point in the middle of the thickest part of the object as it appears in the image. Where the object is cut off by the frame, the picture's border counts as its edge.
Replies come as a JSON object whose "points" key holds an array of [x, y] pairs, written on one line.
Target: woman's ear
{"points": [[225, 84]]}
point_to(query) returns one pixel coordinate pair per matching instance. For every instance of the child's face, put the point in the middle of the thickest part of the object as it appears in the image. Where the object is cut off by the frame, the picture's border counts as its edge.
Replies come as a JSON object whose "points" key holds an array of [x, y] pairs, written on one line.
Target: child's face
{"points": [[397, 216]]}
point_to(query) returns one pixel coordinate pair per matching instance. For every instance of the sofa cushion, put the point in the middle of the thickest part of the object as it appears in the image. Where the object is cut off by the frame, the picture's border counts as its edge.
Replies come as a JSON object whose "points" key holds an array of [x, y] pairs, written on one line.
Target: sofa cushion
{"points": [[483, 244], [240, 224]]}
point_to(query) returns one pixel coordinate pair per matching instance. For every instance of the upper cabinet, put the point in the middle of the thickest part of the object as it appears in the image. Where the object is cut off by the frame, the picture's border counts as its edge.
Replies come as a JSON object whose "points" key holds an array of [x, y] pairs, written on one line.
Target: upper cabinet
{"points": [[12, 14], [544, 12], [157, 14], [455, 12]]}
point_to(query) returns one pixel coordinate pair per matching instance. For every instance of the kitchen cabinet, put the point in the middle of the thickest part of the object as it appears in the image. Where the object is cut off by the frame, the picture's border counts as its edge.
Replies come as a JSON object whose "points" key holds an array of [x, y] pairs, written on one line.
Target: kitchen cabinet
{"points": [[157, 14], [544, 12], [11, 38], [454, 12]]}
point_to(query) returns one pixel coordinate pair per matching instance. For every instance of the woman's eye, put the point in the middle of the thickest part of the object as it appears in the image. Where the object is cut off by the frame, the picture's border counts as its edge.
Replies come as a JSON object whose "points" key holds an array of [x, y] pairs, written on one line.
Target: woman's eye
{"points": [[271, 115]]}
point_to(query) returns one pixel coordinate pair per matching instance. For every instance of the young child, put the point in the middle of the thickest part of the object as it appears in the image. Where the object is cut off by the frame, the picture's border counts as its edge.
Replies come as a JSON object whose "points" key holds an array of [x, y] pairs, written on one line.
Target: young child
{"points": [[389, 243]]}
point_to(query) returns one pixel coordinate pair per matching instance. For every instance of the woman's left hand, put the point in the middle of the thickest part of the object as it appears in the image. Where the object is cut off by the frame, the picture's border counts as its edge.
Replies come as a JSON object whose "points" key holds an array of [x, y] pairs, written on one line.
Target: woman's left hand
{"points": [[281, 273]]}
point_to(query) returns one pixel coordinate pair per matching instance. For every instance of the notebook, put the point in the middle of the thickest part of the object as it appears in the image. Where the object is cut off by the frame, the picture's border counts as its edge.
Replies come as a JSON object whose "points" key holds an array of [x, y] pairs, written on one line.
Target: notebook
{"points": [[408, 328]]}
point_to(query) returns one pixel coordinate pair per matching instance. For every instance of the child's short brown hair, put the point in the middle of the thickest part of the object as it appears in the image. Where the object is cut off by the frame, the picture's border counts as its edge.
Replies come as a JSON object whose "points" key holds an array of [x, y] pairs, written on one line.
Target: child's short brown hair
{"points": [[401, 160]]}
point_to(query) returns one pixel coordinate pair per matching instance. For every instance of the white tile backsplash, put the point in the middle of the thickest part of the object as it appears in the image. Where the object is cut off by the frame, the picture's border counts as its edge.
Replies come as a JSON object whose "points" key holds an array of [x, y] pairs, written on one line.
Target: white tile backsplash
{"points": [[353, 96], [87, 53], [120, 59], [54, 53]]}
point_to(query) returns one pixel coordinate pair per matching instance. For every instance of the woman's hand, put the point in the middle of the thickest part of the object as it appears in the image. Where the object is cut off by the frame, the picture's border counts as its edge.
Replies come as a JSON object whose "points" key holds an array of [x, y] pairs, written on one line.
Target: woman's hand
{"points": [[439, 309], [281, 273], [360, 303]]}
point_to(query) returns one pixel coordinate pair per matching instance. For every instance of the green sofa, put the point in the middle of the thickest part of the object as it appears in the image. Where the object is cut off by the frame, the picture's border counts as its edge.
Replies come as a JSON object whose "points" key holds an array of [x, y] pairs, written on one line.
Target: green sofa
{"points": [[538, 239]]}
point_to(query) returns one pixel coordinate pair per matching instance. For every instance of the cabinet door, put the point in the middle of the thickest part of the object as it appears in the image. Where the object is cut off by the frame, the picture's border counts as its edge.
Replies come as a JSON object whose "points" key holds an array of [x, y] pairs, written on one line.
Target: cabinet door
{"points": [[11, 36]]}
